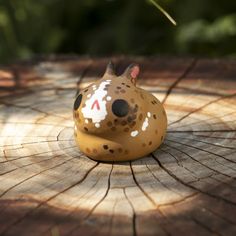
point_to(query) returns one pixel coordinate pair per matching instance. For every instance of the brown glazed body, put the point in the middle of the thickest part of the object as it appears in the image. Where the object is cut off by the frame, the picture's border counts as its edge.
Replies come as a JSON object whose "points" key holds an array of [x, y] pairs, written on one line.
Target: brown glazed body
{"points": [[117, 121]]}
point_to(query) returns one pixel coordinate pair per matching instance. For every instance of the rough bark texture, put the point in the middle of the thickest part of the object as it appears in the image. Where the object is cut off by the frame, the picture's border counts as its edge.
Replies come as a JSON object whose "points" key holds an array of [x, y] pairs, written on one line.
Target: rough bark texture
{"points": [[186, 187]]}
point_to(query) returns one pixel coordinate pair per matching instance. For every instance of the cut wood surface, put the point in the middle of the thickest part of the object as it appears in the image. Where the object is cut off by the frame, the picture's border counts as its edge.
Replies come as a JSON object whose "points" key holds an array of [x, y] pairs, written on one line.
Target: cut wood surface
{"points": [[186, 187]]}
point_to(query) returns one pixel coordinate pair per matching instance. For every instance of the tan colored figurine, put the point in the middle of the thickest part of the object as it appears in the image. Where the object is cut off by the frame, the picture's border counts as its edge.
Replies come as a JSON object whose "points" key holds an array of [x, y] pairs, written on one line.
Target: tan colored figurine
{"points": [[116, 121]]}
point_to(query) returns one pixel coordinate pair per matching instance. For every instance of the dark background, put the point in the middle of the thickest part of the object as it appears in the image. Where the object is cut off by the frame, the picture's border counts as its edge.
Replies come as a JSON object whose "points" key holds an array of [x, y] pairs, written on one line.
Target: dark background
{"points": [[114, 27]]}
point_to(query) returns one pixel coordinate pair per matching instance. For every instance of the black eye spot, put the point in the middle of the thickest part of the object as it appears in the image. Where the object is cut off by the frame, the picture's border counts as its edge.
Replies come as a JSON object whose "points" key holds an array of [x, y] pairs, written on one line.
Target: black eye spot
{"points": [[120, 108], [77, 102]]}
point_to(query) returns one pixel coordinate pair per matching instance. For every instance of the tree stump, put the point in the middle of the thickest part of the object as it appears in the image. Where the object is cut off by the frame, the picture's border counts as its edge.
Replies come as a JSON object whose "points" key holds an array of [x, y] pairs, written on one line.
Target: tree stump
{"points": [[186, 187]]}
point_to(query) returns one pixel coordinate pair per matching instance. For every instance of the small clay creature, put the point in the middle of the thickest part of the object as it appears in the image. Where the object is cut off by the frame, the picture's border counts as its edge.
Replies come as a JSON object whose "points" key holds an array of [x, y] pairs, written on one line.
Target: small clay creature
{"points": [[117, 121]]}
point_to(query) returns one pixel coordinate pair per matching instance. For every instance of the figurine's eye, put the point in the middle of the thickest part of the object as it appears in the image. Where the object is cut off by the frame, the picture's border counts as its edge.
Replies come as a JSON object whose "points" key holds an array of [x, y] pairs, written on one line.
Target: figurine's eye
{"points": [[120, 107], [77, 102]]}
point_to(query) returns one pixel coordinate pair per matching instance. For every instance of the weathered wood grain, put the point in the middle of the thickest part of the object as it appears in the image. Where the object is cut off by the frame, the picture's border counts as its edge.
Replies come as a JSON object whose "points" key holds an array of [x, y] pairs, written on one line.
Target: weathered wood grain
{"points": [[186, 187]]}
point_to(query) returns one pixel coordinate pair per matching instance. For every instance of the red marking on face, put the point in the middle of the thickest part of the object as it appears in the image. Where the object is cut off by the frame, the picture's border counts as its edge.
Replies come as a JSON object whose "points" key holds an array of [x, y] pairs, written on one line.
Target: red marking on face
{"points": [[96, 103], [135, 71]]}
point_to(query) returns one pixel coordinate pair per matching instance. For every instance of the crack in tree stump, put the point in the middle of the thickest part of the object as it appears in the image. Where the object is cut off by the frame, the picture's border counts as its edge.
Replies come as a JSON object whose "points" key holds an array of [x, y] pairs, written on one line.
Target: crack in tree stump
{"points": [[186, 187]]}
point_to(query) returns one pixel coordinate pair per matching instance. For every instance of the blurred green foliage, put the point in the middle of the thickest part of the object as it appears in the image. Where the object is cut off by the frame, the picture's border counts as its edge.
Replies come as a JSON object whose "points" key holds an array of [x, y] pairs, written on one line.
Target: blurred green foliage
{"points": [[109, 27]]}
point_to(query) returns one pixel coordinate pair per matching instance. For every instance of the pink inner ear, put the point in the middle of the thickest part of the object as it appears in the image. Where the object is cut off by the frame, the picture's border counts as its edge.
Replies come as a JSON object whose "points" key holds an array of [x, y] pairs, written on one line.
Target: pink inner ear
{"points": [[135, 71]]}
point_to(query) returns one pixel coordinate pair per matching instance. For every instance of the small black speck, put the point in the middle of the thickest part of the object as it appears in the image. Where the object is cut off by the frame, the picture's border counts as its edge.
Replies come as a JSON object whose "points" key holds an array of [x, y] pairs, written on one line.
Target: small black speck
{"points": [[105, 146], [111, 151], [129, 119], [86, 90]]}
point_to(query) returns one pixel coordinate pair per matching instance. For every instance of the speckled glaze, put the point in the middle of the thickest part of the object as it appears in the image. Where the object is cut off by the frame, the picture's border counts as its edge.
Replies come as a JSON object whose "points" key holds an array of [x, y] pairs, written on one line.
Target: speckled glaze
{"points": [[117, 121]]}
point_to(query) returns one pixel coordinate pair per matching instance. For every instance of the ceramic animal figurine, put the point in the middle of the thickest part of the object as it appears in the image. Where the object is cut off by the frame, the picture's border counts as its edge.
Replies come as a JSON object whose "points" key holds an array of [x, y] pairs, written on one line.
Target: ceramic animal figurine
{"points": [[117, 121]]}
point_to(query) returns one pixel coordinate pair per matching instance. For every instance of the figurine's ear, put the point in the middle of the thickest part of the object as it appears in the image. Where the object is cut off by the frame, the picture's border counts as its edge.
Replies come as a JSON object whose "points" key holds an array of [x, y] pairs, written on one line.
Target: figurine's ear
{"points": [[110, 69], [132, 72]]}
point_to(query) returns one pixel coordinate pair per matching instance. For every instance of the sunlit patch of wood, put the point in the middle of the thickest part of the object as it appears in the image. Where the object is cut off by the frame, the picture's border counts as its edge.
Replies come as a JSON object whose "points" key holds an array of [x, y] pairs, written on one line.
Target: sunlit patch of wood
{"points": [[185, 187]]}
